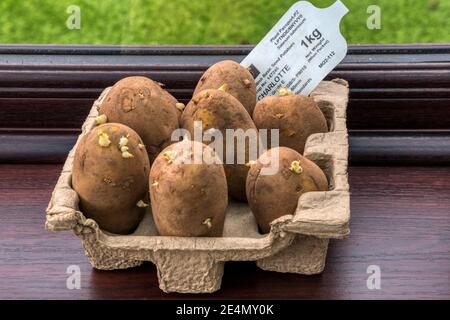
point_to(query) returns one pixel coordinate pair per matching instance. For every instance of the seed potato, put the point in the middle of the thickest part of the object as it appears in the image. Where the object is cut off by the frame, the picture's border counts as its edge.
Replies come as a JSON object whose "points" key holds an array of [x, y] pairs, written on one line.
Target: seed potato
{"points": [[276, 195], [144, 106], [188, 199], [110, 176], [296, 117], [219, 110], [239, 80]]}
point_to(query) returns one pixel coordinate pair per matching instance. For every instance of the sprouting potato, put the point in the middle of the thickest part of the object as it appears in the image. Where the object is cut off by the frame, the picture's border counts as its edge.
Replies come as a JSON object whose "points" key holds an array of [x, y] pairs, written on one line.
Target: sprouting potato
{"points": [[271, 196], [187, 199], [296, 117], [144, 106], [110, 176], [217, 109], [238, 80]]}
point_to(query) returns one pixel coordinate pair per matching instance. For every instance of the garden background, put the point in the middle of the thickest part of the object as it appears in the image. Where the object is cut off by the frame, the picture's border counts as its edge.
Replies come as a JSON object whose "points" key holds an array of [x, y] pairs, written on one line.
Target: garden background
{"points": [[208, 21]]}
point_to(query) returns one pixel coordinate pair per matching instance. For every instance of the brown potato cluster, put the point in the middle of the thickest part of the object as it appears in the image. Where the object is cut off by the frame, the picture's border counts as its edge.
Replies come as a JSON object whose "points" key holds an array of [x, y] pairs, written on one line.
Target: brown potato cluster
{"points": [[130, 154]]}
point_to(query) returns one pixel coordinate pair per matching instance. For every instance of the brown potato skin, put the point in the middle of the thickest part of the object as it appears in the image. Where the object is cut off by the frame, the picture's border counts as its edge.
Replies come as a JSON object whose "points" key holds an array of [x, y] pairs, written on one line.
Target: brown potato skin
{"points": [[187, 194], [166, 96], [273, 196], [297, 117], [240, 81], [108, 185], [144, 106], [220, 110]]}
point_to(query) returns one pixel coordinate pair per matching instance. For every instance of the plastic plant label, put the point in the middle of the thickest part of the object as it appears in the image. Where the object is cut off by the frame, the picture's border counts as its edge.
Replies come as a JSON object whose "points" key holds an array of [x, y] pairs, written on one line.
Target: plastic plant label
{"points": [[299, 51]]}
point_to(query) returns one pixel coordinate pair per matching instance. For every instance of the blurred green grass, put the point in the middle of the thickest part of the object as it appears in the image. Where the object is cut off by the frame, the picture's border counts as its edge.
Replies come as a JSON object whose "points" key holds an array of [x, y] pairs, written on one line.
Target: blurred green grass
{"points": [[208, 21]]}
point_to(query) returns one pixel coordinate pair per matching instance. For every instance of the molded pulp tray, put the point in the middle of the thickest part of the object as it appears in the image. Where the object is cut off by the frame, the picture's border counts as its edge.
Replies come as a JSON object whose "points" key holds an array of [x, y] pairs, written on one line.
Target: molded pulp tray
{"points": [[296, 244]]}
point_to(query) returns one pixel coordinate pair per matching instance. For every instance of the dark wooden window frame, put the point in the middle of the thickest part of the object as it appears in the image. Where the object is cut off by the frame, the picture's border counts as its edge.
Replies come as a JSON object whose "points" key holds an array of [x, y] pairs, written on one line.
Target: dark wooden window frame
{"points": [[399, 110]]}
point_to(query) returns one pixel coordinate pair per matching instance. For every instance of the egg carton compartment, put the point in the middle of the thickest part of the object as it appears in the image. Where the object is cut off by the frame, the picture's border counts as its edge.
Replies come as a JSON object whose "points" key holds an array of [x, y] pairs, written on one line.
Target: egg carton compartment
{"points": [[296, 243]]}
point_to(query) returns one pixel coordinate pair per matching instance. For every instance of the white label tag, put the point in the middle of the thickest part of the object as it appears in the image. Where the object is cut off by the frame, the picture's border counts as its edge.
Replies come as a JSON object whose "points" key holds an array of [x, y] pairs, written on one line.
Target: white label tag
{"points": [[299, 51]]}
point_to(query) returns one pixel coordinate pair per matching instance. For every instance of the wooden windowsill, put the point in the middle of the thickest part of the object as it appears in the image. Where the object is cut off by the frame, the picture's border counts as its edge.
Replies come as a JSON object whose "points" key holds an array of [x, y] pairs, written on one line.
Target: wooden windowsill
{"points": [[400, 222]]}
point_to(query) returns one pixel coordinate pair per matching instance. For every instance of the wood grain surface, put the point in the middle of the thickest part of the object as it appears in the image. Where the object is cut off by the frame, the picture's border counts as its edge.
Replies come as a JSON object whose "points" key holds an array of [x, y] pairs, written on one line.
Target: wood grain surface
{"points": [[400, 222], [398, 95]]}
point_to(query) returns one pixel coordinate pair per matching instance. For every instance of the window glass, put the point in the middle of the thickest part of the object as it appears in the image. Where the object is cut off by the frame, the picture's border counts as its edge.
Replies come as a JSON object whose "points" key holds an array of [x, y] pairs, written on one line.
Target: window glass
{"points": [[149, 22]]}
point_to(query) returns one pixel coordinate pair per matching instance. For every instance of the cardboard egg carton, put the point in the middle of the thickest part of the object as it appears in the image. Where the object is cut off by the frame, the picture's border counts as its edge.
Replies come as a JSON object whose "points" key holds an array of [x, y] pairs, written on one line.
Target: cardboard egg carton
{"points": [[296, 243]]}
